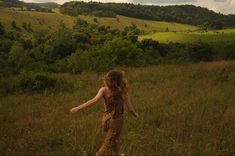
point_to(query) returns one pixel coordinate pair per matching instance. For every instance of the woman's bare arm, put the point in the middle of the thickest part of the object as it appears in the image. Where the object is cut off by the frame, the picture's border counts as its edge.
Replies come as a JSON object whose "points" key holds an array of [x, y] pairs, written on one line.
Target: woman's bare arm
{"points": [[90, 102], [130, 107]]}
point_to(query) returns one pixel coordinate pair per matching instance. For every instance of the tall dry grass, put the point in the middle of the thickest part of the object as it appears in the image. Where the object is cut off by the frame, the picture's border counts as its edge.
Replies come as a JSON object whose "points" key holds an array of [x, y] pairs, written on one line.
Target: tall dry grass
{"points": [[184, 110]]}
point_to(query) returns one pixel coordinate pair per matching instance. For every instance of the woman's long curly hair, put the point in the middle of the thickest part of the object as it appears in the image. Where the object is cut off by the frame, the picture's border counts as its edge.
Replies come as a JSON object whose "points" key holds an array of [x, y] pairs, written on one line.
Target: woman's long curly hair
{"points": [[117, 83]]}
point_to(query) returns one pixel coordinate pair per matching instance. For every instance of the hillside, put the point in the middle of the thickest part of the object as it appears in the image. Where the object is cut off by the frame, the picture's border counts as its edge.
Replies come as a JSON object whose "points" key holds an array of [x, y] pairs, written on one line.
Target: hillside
{"points": [[38, 20], [51, 21], [146, 25], [188, 14], [41, 7]]}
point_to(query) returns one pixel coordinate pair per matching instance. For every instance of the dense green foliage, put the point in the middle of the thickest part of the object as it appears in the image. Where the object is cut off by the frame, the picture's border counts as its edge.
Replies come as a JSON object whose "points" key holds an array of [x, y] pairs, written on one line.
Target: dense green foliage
{"points": [[182, 14], [89, 47]]}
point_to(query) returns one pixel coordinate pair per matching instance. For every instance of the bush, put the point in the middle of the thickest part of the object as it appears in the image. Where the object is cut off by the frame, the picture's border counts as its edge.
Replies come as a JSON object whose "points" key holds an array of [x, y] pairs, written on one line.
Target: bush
{"points": [[29, 81], [124, 52], [18, 56], [78, 61], [2, 30], [224, 51], [59, 66], [7, 85], [41, 81], [200, 52]]}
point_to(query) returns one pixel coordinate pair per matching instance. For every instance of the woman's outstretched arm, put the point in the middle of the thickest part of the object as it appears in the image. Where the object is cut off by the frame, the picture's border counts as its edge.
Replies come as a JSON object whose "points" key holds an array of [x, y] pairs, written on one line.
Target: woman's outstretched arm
{"points": [[130, 107], [90, 102]]}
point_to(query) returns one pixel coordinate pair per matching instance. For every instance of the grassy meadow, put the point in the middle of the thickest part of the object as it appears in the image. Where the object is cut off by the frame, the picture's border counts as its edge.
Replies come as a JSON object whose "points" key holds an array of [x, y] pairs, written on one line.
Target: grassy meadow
{"points": [[38, 20], [145, 25], [52, 21], [224, 35], [186, 109]]}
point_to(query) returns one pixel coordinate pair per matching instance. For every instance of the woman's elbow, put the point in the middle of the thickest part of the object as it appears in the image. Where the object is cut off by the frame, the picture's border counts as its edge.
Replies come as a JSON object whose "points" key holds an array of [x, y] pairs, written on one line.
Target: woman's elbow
{"points": [[131, 110]]}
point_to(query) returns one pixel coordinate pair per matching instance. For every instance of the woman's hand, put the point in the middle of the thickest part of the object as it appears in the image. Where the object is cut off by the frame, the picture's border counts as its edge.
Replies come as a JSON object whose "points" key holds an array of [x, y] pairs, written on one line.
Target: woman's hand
{"points": [[74, 109], [137, 115]]}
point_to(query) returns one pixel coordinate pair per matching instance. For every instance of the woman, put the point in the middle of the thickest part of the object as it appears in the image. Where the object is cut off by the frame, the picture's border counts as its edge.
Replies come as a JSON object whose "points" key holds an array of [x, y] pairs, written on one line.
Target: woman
{"points": [[115, 94]]}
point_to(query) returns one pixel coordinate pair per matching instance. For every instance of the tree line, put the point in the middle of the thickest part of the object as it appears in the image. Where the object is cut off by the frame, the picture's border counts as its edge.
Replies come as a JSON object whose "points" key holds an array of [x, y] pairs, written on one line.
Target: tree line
{"points": [[188, 14]]}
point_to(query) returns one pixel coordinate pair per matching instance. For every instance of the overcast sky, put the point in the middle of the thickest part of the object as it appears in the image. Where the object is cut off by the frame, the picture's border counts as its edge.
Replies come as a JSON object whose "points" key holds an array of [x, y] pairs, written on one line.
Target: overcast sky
{"points": [[222, 6]]}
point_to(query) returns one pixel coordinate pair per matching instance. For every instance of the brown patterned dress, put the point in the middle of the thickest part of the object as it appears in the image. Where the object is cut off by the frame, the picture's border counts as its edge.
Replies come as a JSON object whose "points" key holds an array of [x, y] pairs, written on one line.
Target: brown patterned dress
{"points": [[112, 123]]}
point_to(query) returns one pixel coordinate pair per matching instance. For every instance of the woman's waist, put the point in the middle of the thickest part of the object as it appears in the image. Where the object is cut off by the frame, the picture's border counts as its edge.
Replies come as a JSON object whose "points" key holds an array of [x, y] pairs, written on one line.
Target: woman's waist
{"points": [[109, 114]]}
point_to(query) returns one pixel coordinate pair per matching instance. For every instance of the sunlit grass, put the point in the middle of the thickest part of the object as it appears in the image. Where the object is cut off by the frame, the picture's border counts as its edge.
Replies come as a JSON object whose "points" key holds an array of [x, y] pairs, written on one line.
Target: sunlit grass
{"points": [[146, 25], [38, 20], [225, 35]]}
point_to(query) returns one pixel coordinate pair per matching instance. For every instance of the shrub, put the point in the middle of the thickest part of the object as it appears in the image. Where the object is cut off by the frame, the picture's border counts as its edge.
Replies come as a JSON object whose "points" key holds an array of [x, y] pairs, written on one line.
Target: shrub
{"points": [[124, 52], [18, 56], [36, 82], [2, 30], [41, 81], [200, 51], [78, 61]]}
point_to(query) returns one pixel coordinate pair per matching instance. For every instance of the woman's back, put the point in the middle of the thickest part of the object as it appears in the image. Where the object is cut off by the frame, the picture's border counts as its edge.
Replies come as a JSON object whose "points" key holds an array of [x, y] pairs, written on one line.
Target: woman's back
{"points": [[113, 105]]}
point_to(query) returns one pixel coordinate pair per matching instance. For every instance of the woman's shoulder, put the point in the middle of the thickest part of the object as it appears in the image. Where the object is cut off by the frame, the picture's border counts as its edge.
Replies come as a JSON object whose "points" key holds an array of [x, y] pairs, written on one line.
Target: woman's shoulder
{"points": [[104, 89]]}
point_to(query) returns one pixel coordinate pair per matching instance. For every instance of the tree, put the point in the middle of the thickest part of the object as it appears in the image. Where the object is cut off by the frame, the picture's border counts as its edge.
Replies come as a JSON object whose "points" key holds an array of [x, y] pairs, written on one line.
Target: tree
{"points": [[18, 56], [78, 61], [117, 19], [95, 20], [24, 25], [152, 50], [100, 60], [29, 27], [2, 30], [124, 53], [167, 29], [62, 44], [200, 51], [80, 23], [39, 37], [13, 24]]}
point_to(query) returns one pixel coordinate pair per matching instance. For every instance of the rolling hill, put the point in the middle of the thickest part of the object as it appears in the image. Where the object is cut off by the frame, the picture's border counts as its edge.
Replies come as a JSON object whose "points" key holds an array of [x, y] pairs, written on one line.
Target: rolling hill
{"points": [[41, 20], [153, 29], [120, 22], [188, 14], [38, 20]]}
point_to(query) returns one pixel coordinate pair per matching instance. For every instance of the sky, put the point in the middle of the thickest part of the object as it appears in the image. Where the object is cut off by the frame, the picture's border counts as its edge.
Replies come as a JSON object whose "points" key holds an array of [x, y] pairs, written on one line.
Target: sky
{"points": [[222, 6]]}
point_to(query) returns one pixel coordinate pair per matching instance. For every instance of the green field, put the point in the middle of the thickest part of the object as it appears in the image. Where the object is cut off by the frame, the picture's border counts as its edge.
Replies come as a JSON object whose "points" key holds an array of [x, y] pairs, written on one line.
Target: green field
{"points": [[184, 110], [225, 35], [51, 21]]}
